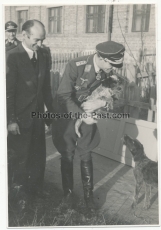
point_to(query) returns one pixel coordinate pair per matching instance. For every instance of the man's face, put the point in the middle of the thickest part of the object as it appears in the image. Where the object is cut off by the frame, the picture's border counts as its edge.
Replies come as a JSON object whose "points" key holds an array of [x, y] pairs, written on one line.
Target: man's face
{"points": [[11, 34], [105, 65], [34, 38]]}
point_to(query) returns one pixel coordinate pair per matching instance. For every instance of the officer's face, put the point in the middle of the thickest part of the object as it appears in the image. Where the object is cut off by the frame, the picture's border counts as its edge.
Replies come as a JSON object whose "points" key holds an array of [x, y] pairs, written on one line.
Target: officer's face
{"points": [[11, 34], [35, 37], [104, 65]]}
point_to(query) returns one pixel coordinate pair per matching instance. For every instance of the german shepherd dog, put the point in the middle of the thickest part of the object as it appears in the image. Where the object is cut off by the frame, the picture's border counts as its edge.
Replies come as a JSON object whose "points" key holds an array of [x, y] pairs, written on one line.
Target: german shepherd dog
{"points": [[145, 171]]}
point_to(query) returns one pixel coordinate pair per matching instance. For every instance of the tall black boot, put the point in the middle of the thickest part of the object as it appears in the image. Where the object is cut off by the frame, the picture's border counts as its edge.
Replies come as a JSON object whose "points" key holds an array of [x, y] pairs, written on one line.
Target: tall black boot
{"points": [[87, 180], [67, 181]]}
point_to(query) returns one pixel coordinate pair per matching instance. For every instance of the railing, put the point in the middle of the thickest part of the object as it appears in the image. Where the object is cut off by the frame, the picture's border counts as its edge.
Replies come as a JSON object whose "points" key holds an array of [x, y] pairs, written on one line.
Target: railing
{"points": [[59, 60]]}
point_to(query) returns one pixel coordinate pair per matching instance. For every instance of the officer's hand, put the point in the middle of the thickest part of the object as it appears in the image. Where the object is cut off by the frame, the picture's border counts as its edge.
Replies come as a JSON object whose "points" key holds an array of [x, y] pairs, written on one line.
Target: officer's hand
{"points": [[77, 125], [92, 105], [14, 128]]}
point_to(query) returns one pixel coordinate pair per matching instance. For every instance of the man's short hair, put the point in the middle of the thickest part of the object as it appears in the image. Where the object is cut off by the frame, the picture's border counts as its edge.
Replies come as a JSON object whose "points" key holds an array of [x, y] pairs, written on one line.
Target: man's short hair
{"points": [[98, 55], [30, 23]]}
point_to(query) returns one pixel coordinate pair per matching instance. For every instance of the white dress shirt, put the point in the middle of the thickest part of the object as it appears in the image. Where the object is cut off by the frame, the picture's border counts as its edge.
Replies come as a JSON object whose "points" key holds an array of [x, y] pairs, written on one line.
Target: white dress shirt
{"points": [[29, 52]]}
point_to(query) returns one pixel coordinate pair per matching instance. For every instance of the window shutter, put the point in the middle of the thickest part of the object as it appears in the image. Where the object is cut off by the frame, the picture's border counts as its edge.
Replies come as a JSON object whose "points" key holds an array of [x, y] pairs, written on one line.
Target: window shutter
{"points": [[147, 18]]}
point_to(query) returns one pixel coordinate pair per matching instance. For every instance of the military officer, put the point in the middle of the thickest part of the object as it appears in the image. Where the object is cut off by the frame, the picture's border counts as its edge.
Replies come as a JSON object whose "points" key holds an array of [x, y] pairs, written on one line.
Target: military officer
{"points": [[11, 30], [82, 75]]}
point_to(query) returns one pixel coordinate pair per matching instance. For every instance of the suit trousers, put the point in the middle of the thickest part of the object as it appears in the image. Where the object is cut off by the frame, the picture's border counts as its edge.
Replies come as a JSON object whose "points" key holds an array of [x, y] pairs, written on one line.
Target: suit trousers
{"points": [[67, 142], [26, 165]]}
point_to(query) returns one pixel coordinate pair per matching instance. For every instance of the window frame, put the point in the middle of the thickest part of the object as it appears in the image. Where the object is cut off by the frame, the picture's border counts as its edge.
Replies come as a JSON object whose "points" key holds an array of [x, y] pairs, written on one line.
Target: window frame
{"points": [[145, 16], [19, 30], [96, 15], [60, 21]]}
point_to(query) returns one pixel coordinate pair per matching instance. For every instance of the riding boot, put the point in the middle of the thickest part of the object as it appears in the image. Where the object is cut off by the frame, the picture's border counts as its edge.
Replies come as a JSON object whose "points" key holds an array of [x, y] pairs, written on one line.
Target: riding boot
{"points": [[67, 181], [87, 180]]}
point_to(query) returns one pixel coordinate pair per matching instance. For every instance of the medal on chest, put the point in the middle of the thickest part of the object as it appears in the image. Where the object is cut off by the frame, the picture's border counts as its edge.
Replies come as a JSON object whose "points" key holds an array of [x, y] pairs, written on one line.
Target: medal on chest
{"points": [[98, 76]]}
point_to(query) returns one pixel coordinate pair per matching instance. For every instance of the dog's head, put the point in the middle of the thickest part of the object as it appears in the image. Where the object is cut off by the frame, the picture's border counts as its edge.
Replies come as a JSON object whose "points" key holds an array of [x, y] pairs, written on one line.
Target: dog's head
{"points": [[135, 147]]}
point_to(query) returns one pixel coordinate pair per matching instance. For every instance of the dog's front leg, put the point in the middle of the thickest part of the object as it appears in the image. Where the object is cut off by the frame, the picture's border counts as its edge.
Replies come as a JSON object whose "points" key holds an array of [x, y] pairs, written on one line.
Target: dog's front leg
{"points": [[139, 182], [136, 194], [147, 196]]}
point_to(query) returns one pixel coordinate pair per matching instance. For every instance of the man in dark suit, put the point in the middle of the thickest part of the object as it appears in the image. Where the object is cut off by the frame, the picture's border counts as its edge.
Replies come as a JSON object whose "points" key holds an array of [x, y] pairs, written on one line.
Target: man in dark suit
{"points": [[28, 89], [11, 29], [82, 75]]}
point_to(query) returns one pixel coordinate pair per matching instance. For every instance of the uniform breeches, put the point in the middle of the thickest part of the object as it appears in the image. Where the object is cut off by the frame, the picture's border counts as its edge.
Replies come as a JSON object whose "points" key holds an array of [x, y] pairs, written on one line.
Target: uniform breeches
{"points": [[66, 141], [27, 156]]}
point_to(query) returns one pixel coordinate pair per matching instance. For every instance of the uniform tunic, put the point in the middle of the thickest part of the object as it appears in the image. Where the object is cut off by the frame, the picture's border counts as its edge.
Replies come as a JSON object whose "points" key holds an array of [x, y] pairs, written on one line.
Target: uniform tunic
{"points": [[78, 80], [10, 46]]}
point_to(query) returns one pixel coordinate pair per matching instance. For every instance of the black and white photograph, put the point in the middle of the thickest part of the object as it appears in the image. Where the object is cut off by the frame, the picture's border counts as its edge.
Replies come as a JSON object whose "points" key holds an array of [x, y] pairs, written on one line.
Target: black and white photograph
{"points": [[81, 114]]}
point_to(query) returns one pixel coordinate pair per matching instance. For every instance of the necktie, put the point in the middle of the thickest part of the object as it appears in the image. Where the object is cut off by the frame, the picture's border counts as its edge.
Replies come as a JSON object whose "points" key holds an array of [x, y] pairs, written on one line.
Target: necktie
{"points": [[34, 60]]}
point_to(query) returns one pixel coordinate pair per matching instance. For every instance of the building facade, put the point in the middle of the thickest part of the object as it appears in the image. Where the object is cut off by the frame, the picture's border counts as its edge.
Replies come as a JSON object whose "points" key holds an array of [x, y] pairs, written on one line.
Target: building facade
{"points": [[80, 27]]}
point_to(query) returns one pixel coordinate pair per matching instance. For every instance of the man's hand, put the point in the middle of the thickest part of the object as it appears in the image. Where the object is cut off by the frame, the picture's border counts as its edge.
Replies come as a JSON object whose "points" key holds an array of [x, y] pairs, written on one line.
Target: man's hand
{"points": [[92, 105], [77, 126], [14, 128]]}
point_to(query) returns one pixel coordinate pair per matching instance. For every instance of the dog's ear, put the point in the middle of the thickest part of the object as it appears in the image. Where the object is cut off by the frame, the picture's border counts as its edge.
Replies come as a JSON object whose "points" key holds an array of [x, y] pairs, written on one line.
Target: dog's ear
{"points": [[141, 147]]}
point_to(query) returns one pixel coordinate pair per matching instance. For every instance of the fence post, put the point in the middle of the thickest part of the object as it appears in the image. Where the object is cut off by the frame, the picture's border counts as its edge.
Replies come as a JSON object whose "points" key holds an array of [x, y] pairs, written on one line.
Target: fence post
{"points": [[55, 78]]}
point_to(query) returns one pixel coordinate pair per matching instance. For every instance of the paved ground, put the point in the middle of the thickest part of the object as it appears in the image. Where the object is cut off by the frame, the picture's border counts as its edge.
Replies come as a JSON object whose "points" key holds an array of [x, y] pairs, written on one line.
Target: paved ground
{"points": [[113, 191]]}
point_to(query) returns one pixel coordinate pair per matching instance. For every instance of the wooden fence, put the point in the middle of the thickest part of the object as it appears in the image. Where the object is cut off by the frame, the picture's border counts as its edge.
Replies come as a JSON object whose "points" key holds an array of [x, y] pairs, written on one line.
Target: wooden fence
{"points": [[139, 95]]}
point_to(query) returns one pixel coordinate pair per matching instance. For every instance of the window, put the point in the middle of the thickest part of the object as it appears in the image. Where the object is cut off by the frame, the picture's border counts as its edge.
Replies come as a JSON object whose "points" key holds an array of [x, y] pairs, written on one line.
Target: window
{"points": [[55, 20], [141, 16], [22, 17], [95, 19]]}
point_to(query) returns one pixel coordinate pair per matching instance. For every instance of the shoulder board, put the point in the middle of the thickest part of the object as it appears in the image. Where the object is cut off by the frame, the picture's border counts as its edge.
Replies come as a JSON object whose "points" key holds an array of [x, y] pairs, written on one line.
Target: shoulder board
{"points": [[78, 63]]}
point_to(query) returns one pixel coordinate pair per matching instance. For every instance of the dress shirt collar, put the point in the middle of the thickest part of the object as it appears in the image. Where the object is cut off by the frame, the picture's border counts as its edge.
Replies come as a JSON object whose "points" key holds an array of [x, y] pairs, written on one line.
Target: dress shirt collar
{"points": [[11, 41], [29, 52]]}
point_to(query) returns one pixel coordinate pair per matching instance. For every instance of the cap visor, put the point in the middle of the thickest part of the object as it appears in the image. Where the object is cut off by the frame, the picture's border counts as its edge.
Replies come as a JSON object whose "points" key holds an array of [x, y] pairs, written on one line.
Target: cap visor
{"points": [[11, 30], [117, 65]]}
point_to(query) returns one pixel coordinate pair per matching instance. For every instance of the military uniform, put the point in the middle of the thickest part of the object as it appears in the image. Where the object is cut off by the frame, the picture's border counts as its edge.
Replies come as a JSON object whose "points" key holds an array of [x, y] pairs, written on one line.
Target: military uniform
{"points": [[9, 45], [79, 80]]}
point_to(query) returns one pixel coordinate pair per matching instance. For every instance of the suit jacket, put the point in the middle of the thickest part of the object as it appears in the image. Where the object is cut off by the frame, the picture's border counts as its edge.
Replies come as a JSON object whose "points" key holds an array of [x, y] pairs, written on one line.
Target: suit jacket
{"points": [[78, 79], [47, 52], [26, 91], [13, 45]]}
